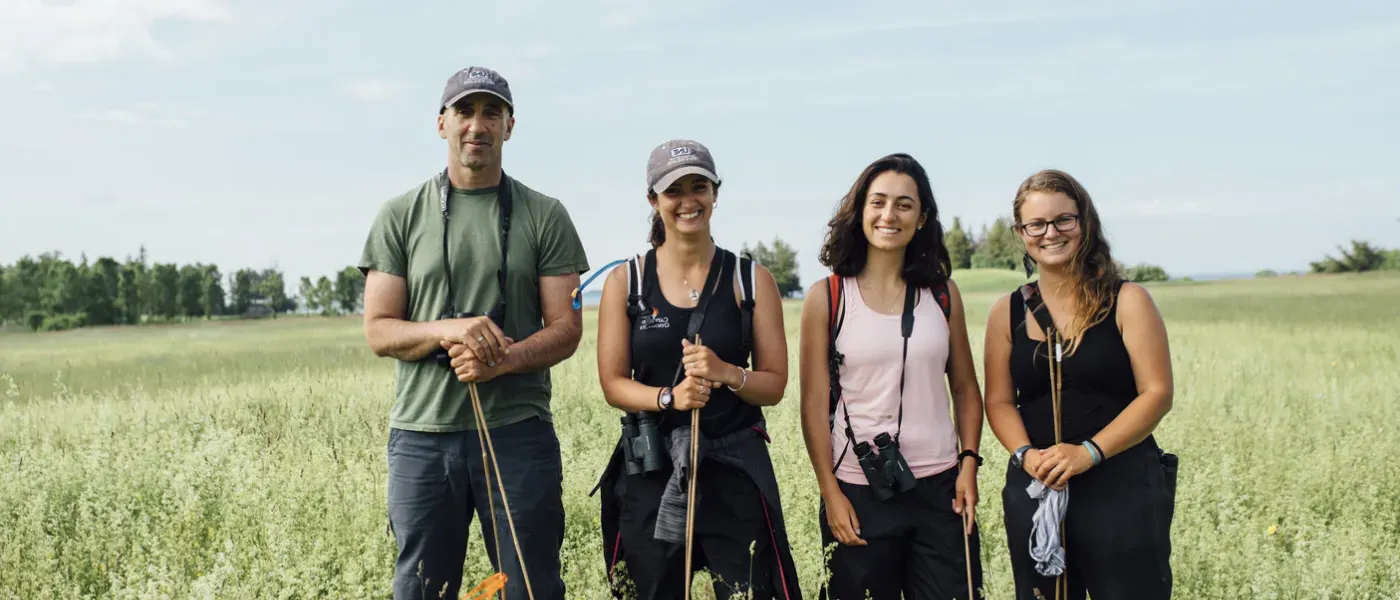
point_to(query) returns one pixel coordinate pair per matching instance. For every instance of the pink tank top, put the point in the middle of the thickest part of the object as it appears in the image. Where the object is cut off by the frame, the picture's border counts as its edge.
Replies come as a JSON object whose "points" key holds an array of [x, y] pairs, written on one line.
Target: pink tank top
{"points": [[872, 346]]}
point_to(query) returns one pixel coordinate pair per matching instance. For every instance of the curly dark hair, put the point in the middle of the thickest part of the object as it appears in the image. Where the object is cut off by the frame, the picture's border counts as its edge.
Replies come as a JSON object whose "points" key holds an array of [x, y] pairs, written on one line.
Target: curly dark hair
{"points": [[926, 259]]}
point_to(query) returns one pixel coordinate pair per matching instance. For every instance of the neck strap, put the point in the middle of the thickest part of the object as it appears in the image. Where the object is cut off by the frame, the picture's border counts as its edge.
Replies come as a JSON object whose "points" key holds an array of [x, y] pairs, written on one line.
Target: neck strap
{"points": [[503, 199]]}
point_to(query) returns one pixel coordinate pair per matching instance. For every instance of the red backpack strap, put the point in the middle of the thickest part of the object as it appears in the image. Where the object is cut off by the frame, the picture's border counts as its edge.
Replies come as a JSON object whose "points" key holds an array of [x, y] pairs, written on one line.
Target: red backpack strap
{"points": [[945, 301], [834, 298]]}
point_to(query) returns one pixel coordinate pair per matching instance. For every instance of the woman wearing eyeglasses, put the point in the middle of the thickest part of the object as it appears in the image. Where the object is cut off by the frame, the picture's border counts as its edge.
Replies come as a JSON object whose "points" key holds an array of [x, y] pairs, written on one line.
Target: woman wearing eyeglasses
{"points": [[1112, 384]]}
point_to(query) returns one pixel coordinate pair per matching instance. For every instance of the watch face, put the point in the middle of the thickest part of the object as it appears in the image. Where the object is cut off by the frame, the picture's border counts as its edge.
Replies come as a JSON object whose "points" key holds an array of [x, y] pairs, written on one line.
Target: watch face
{"points": [[666, 398]]}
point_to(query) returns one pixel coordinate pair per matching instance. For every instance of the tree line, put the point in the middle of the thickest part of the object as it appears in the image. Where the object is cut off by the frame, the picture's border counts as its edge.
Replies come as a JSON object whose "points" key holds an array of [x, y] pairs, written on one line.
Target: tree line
{"points": [[1361, 257], [49, 292], [997, 246]]}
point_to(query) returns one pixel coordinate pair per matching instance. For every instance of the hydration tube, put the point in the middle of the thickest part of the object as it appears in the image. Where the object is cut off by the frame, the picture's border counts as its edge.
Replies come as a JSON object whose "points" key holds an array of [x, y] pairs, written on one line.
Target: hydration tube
{"points": [[577, 294]]}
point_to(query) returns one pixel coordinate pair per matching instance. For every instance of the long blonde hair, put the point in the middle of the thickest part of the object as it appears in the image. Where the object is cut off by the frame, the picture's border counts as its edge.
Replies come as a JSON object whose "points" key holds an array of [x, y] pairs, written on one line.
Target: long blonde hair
{"points": [[1092, 272]]}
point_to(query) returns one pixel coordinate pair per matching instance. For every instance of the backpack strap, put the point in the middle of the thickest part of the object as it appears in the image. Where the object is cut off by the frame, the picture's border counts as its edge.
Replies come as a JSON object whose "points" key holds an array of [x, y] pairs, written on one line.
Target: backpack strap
{"points": [[746, 300], [945, 301], [836, 314], [635, 304]]}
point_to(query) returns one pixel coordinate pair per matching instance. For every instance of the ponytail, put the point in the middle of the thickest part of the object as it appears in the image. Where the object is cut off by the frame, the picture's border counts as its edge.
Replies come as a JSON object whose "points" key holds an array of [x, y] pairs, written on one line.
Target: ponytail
{"points": [[658, 227]]}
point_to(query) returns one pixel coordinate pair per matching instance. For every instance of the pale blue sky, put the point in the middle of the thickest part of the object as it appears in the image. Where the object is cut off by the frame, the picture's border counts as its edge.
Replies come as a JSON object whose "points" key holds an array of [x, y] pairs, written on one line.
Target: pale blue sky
{"points": [[259, 133]]}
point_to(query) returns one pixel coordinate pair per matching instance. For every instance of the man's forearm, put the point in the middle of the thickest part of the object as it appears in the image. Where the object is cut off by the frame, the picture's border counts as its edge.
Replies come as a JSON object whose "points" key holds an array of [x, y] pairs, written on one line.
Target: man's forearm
{"points": [[546, 347], [404, 340]]}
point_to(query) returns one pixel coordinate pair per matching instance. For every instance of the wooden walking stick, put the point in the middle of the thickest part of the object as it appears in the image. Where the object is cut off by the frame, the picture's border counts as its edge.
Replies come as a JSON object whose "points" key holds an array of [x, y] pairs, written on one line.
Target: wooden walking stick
{"points": [[967, 557], [690, 496], [498, 580], [1056, 379]]}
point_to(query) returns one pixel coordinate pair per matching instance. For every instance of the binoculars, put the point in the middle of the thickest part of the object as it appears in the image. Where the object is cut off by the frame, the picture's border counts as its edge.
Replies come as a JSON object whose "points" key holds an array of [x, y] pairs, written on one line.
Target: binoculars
{"points": [[884, 467], [641, 444]]}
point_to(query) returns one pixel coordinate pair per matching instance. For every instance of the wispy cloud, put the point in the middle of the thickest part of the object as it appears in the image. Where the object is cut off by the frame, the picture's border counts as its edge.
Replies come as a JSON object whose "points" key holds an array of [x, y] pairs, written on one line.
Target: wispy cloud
{"points": [[146, 114], [373, 90], [44, 32]]}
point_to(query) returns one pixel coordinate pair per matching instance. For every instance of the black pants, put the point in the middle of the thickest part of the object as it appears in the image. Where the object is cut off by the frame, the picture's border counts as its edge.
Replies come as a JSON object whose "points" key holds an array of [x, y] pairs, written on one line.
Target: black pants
{"points": [[914, 545], [729, 517], [1117, 530], [436, 483]]}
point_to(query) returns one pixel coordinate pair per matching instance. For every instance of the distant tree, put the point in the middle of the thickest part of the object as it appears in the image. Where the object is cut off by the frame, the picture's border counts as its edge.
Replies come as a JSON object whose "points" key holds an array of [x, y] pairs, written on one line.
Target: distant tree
{"points": [[349, 290], [1144, 272], [101, 292], [1392, 260], [1266, 273], [129, 301], [307, 291], [1362, 257], [212, 291], [191, 291], [959, 245], [245, 290], [274, 291], [998, 247], [325, 296], [781, 261], [166, 285]]}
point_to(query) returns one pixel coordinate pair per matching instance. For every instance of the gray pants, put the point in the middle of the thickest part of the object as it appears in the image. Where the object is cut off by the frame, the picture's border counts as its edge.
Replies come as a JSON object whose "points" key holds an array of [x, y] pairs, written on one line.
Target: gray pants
{"points": [[436, 487]]}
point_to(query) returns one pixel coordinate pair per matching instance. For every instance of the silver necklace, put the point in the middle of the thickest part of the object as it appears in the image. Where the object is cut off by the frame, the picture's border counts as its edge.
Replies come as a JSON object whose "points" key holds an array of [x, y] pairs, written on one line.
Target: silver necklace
{"points": [[694, 295]]}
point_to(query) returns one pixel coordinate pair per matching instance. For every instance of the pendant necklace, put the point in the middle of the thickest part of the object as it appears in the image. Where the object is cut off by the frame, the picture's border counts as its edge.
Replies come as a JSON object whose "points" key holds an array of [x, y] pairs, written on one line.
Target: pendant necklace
{"points": [[694, 295]]}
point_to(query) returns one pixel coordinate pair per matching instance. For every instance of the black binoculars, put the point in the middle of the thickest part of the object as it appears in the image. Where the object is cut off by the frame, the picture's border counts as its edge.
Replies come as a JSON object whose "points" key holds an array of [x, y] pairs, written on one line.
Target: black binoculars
{"points": [[885, 468], [641, 444]]}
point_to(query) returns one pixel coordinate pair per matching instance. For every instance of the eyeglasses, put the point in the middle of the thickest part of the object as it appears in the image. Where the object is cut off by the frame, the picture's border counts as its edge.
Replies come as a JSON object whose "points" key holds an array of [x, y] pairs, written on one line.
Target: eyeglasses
{"points": [[1063, 224]]}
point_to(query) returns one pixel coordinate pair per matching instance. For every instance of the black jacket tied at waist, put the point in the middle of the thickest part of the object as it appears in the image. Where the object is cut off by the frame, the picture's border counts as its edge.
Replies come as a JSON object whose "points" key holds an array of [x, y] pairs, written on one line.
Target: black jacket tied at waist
{"points": [[745, 449]]}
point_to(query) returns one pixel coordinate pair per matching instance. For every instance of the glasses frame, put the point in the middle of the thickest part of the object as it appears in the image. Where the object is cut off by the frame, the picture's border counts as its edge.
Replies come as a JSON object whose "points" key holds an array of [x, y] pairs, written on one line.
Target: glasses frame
{"points": [[1071, 220]]}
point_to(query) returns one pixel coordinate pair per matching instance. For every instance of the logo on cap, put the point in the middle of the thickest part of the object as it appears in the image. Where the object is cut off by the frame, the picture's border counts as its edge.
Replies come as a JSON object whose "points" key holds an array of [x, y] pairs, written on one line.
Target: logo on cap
{"points": [[681, 151]]}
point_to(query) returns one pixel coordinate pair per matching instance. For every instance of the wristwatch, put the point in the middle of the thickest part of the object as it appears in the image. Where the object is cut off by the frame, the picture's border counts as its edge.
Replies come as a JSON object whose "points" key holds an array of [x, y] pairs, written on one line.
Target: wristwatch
{"points": [[1019, 455], [664, 398]]}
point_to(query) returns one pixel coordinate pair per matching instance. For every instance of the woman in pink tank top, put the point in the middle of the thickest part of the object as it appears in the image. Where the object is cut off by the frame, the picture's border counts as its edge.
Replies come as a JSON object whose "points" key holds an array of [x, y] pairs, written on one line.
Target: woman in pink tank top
{"points": [[894, 453]]}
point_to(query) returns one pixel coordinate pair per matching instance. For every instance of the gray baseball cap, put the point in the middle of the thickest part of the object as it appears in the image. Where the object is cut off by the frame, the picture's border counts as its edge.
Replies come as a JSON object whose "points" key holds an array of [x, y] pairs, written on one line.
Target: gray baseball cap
{"points": [[475, 79], [677, 158]]}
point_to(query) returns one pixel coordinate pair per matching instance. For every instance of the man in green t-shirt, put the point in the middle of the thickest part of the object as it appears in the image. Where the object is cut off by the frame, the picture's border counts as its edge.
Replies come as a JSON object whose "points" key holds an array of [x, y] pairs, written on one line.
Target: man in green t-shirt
{"points": [[440, 300]]}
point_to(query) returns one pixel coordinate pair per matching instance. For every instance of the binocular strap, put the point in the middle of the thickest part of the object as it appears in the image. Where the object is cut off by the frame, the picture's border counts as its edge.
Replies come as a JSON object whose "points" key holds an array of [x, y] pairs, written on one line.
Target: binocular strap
{"points": [[906, 327]]}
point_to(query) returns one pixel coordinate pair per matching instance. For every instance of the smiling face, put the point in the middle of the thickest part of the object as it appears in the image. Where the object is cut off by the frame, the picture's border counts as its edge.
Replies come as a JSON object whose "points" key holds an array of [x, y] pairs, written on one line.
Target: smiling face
{"points": [[476, 128], [686, 204], [1049, 225], [892, 212]]}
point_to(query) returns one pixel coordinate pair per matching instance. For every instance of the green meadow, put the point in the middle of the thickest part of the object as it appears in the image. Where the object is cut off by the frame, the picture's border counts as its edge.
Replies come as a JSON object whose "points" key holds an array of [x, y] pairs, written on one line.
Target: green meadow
{"points": [[245, 459]]}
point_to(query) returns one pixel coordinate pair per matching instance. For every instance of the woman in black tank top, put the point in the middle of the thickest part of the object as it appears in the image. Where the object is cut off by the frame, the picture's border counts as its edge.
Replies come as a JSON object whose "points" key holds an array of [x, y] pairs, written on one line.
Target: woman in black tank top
{"points": [[1112, 383], [650, 367]]}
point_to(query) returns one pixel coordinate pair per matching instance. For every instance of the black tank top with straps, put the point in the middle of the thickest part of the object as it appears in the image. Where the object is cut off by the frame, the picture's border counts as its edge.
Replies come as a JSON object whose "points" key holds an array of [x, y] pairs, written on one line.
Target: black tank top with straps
{"points": [[1097, 384], [657, 352]]}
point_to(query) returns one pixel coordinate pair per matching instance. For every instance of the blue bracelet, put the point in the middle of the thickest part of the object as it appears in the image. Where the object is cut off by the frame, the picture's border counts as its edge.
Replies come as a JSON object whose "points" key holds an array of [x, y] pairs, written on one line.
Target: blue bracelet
{"points": [[1093, 452]]}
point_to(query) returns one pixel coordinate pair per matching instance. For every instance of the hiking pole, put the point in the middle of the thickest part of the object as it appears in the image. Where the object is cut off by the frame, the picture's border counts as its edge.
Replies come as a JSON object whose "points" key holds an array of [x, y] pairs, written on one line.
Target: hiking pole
{"points": [[1057, 379], [484, 434], [967, 555], [690, 496]]}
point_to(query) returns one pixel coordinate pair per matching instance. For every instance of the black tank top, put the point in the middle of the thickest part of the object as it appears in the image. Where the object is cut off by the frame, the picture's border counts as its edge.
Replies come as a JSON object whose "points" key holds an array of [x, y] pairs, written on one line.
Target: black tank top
{"points": [[656, 349], [1097, 384]]}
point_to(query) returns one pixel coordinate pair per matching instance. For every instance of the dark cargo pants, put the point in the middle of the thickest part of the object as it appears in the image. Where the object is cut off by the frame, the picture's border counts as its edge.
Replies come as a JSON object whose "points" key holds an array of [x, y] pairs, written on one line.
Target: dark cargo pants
{"points": [[436, 486], [1117, 529]]}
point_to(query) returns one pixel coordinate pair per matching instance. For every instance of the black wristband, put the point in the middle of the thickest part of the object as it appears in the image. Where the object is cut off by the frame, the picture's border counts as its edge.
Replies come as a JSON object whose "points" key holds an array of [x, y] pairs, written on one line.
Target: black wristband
{"points": [[1102, 456], [967, 453]]}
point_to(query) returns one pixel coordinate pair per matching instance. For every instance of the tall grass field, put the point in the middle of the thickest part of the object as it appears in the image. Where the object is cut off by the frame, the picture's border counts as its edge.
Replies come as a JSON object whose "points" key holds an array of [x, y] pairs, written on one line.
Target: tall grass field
{"points": [[247, 459]]}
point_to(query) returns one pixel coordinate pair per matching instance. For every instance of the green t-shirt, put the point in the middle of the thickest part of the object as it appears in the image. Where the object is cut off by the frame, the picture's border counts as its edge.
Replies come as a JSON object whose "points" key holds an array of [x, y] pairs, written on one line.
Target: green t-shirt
{"points": [[406, 240]]}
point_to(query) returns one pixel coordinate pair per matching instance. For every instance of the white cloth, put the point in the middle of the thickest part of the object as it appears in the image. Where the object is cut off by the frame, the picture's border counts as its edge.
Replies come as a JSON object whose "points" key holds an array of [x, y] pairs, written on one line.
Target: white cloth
{"points": [[1049, 556]]}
